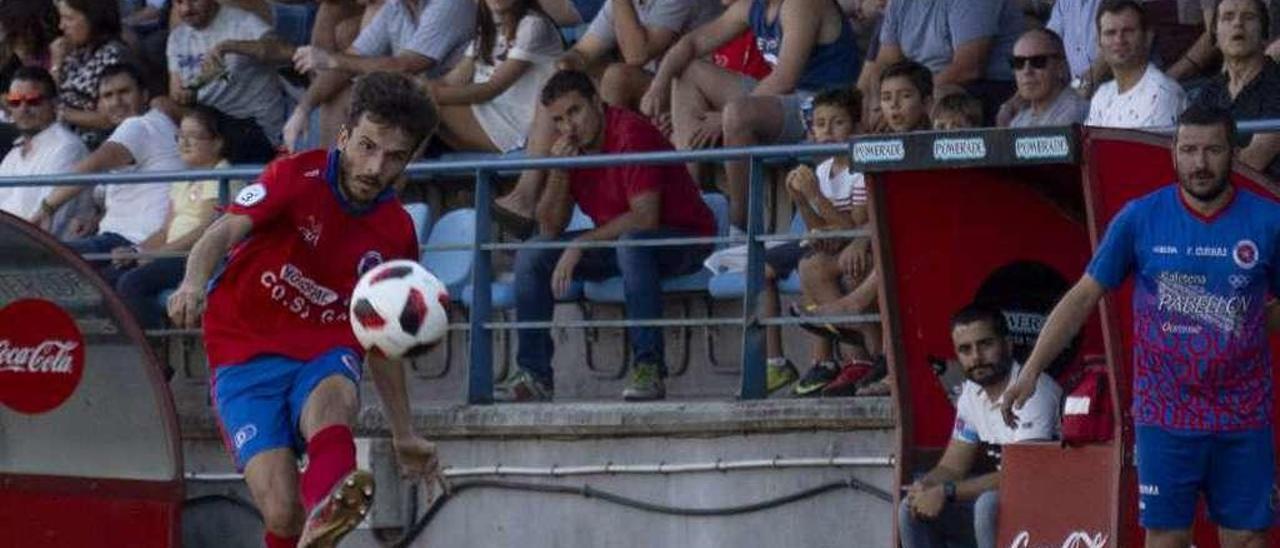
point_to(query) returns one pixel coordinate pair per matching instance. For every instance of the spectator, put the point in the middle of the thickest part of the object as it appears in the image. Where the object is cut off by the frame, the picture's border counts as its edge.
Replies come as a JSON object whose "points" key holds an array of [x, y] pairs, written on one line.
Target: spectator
{"points": [[45, 147], [1250, 86], [956, 110], [626, 202], [89, 44], [963, 42], [1044, 98], [640, 32], [1075, 21], [206, 67], [487, 101], [1140, 96], [950, 504], [906, 91], [1202, 419], [407, 36], [192, 204], [28, 27], [144, 139], [708, 103]]}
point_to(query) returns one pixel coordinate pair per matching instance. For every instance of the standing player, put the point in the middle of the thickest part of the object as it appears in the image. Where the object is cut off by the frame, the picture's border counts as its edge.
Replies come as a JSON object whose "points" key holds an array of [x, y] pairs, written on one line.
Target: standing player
{"points": [[284, 363], [1206, 254]]}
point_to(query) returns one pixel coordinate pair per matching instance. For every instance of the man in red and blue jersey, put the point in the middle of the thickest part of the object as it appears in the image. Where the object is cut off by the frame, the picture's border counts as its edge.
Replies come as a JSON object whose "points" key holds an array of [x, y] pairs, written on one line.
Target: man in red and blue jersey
{"points": [[284, 363], [1205, 254]]}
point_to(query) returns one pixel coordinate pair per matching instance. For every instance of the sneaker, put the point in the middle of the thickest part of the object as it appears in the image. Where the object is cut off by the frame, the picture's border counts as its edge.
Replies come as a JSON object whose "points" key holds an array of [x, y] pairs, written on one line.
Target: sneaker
{"points": [[339, 512], [523, 388], [645, 384], [816, 378], [778, 377], [852, 375]]}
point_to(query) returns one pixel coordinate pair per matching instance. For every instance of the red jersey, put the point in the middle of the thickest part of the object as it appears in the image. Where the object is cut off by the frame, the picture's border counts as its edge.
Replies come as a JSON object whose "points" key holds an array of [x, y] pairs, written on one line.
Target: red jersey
{"points": [[604, 193], [285, 290]]}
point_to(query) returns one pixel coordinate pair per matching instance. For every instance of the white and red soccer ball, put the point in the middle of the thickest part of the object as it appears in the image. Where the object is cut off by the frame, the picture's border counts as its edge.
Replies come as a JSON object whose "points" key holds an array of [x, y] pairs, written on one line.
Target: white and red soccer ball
{"points": [[398, 309]]}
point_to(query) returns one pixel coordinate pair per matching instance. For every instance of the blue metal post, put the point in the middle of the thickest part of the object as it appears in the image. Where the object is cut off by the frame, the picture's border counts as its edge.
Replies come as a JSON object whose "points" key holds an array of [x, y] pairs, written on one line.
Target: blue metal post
{"points": [[480, 375], [753, 374], [224, 191]]}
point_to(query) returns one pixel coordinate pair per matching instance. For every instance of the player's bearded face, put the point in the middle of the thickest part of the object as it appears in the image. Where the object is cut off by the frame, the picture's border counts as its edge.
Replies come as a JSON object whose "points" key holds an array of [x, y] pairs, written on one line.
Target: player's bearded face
{"points": [[373, 156], [1202, 156], [982, 353]]}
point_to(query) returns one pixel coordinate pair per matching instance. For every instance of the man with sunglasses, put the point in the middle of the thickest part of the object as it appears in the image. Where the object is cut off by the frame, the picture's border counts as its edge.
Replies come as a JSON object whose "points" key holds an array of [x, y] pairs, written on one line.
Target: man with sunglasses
{"points": [[1140, 96], [1249, 86], [1039, 70], [45, 147]]}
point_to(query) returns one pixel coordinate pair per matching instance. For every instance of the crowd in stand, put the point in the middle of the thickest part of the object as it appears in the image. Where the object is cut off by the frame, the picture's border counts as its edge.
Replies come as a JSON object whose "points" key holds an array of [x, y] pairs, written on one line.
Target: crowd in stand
{"points": [[98, 86]]}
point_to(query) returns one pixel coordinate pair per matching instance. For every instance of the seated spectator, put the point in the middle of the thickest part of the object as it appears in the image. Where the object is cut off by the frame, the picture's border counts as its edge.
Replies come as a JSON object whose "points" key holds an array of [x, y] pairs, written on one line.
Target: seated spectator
{"points": [[487, 101], [144, 140], [1250, 86], [192, 208], [45, 147], [1140, 96], [951, 505], [956, 110], [640, 32], [626, 202], [89, 44], [906, 91], [407, 36], [708, 103], [963, 42], [1044, 98], [1076, 22], [206, 67]]}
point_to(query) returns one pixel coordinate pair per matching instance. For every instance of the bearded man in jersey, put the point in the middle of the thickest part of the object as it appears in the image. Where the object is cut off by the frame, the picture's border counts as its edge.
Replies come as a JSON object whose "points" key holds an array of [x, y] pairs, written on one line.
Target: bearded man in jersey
{"points": [[285, 366], [1205, 254]]}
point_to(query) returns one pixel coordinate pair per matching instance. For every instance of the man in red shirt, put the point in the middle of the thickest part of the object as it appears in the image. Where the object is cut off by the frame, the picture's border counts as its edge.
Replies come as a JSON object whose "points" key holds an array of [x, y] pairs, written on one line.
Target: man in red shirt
{"points": [[284, 363], [626, 202]]}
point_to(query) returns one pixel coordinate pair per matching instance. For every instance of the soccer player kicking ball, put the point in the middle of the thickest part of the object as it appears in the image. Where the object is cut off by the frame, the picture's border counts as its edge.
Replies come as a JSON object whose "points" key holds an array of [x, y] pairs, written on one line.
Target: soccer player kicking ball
{"points": [[1205, 255], [284, 363]]}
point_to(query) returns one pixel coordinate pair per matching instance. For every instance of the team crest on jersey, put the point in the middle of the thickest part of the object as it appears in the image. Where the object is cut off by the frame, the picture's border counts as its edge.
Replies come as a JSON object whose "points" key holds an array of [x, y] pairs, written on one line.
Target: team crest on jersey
{"points": [[1245, 254], [369, 260], [251, 195]]}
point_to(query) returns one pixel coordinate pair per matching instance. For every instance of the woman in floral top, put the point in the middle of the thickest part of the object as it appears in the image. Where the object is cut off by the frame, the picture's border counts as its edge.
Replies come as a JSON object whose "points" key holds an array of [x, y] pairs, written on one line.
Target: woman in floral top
{"points": [[90, 42]]}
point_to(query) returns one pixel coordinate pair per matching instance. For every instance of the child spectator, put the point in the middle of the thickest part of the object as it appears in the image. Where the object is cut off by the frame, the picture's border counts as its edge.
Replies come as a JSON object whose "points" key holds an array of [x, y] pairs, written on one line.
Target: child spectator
{"points": [[956, 110], [192, 208], [487, 101], [906, 90]]}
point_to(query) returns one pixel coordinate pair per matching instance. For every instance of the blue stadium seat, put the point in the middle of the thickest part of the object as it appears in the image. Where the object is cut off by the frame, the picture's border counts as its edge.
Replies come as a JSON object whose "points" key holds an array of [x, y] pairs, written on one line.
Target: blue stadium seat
{"points": [[733, 285], [611, 290], [572, 34], [452, 267], [504, 287], [421, 215]]}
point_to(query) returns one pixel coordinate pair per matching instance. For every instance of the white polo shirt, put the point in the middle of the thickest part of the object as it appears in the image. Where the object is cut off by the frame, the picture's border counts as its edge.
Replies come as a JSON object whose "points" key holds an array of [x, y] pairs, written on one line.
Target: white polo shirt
{"points": [[54, 150], [978, 419]]}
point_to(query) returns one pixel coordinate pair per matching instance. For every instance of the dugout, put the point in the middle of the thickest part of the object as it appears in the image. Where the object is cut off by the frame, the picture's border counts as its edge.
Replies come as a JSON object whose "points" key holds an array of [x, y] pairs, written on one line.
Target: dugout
{"points": [[1011, 217], [90, 452]]}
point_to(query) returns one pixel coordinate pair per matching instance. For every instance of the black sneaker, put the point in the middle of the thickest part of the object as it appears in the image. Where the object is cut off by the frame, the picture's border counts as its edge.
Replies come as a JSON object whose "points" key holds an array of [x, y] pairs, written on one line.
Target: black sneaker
{"points": [[814, 380]]}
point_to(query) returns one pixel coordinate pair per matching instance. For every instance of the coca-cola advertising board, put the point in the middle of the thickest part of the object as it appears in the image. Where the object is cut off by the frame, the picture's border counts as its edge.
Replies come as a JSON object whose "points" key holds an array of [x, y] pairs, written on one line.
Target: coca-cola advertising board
{"points": [[41, 356]]}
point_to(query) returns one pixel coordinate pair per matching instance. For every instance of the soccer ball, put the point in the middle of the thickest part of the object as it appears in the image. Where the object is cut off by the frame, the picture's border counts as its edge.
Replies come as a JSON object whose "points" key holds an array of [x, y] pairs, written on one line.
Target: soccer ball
{"points": [[398, 309]]}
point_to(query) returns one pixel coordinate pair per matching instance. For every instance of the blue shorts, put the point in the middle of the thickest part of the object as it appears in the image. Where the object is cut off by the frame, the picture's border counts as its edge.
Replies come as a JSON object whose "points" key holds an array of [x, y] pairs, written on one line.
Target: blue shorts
{"points": [[259, 402], [1235, 470]]}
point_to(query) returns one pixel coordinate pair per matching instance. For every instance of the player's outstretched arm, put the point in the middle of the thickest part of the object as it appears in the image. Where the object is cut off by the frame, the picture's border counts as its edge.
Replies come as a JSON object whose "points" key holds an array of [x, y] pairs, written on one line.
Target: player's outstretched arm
{"points": [[1066, 319], [187, 302], [416, 455]]}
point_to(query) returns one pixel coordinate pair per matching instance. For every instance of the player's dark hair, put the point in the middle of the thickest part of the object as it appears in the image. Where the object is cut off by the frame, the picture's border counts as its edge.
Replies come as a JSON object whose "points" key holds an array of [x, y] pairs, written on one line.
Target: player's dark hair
{"points": [[848, 99], [1199, 115], [975, 312], [564, 82], [1117, 6], [393, 99], [914, 72]]}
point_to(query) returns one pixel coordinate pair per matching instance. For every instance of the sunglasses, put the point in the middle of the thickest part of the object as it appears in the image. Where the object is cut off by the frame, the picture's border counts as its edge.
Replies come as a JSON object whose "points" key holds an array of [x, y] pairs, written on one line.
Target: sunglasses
{"points": [[1036, 61], [15, 100]]}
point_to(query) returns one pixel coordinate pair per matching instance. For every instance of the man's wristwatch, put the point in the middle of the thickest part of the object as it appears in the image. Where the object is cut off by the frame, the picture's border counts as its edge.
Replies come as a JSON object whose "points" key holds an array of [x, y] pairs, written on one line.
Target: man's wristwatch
{"points": [[949, 491]]}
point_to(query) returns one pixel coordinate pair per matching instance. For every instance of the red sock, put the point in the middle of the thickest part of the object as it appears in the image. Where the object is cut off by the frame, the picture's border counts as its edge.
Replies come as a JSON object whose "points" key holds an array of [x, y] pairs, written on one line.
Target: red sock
{"points": [[331, 454], [280, 542]]}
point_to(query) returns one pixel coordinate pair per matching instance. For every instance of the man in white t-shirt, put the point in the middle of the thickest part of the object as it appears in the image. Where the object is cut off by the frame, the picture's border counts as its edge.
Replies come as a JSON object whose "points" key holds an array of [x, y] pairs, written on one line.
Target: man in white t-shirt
{"points": [[1140, 96], [45, 147], [245, 88], [951, 504], [144, 140], [407, 36]]}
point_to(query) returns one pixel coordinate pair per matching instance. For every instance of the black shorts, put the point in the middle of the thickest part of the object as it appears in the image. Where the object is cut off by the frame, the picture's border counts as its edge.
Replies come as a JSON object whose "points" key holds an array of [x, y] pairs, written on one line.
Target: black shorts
{"points": [[784, 259]]}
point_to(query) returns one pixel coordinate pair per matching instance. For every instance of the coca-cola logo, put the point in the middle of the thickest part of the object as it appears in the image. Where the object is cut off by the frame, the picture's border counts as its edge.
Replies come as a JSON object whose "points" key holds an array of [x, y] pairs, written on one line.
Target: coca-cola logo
{"points": [[41, 356]]}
